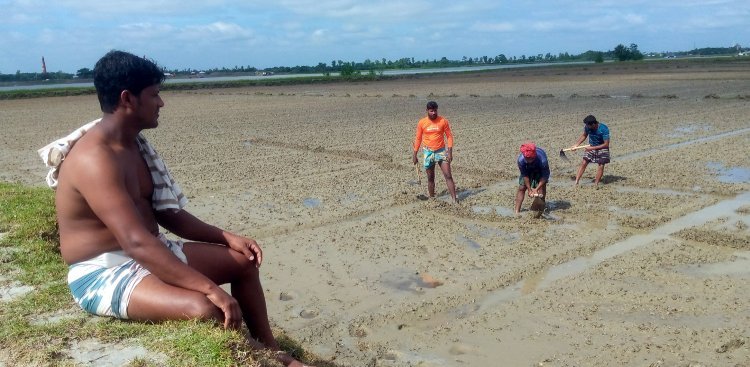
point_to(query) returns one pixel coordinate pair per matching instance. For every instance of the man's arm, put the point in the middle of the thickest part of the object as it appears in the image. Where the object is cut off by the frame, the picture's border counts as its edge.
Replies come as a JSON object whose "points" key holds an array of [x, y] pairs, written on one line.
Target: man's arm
{"points": [[417, 143], [449, 141], [600, 146], [187, 226], [580, 139]]}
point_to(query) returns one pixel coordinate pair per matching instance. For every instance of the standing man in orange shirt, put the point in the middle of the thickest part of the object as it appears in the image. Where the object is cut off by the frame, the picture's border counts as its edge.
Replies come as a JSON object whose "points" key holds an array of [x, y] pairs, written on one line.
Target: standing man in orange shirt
{"points": [[433, 133]]}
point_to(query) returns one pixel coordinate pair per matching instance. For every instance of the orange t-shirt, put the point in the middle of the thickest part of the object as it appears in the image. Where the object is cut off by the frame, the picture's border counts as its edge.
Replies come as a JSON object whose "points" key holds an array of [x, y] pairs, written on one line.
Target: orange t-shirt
{"points": [[430, 133]]}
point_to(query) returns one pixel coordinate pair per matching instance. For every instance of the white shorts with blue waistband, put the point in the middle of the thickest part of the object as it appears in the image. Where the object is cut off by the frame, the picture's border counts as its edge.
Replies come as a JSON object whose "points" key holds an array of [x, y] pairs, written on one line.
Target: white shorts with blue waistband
{"points": [[103, 285]]}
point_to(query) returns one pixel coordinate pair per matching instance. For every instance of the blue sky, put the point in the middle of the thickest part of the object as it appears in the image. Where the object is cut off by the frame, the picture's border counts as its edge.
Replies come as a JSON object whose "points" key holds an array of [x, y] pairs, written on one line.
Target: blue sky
{"points": [[72, 34]]}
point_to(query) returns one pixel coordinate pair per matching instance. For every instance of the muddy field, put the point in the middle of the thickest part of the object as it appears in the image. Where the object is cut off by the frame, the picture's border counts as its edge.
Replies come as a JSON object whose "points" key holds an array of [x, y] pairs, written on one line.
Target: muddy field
{"points": [[649, 269]]}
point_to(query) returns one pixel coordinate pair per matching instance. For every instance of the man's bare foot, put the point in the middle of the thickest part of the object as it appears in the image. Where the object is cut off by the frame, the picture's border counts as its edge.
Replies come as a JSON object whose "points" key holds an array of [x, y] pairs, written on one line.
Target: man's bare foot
{"points": [[289, 361]]}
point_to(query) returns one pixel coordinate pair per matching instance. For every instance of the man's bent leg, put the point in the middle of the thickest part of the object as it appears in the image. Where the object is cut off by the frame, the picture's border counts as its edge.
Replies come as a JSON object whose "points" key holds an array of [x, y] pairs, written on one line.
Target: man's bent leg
{"points": [[154, 300], [224, 265]]}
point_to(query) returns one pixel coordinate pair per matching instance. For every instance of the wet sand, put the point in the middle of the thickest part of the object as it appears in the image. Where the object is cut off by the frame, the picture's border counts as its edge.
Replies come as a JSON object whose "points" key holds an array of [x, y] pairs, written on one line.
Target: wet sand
{"points": [[650, 268]]}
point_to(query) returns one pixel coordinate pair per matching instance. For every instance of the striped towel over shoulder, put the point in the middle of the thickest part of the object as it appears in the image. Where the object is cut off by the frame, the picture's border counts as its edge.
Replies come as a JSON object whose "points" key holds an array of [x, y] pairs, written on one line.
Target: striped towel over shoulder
{"points": [[167, 193]]}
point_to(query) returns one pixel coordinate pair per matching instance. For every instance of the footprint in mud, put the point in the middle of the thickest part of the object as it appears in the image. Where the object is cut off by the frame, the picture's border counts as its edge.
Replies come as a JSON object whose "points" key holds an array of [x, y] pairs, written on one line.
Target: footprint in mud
{"points": [[358, 331], [309, 313], [730, 346], [422, 197], [391, 356], [458, 349], [287, 296], [466, 310]]}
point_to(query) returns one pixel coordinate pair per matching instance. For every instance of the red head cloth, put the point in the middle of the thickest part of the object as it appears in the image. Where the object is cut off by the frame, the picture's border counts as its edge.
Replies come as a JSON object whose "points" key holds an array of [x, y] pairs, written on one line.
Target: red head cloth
{"points": [[528, 150]]}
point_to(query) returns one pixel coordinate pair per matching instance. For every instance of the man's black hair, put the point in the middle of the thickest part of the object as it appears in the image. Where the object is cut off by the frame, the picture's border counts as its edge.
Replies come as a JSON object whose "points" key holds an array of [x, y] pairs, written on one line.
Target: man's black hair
{"points": [[590, 119], [432, 105], [118, 71]]}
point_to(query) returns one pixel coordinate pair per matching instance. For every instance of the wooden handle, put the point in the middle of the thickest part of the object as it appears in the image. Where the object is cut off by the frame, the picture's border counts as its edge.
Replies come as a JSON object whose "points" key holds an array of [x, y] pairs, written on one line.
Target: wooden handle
{"points": [[576, 148]]}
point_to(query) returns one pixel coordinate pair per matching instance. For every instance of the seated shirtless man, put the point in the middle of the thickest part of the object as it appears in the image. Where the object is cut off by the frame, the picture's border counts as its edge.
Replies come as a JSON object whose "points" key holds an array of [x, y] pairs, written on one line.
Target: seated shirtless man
{"points": [[120, 265]]}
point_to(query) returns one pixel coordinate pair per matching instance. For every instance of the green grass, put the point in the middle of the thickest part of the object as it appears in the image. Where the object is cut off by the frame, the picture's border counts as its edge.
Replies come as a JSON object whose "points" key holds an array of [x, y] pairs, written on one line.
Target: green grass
{"points": [[29, 255]]}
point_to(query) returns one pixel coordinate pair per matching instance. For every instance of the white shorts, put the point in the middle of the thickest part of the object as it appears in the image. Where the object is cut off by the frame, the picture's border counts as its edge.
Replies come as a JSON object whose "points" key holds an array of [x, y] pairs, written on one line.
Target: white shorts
{"points": [[103, 285]]}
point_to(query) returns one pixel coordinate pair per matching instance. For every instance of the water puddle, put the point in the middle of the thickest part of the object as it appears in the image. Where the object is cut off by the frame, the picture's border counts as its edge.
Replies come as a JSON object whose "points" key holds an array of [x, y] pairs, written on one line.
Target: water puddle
{"points": [[730, 174], [739, 265], [489, 210], [656, 191], [632, 212], [311, 203], [404, 280], [350, 199], [553, 205], [489, 232], [461, 195], [643, 153], [468, 242], [683, 130]]}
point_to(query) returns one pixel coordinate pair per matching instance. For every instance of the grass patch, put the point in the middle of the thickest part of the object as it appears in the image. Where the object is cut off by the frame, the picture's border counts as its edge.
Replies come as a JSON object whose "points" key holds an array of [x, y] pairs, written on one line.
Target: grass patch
{"points": [[39, 327]]}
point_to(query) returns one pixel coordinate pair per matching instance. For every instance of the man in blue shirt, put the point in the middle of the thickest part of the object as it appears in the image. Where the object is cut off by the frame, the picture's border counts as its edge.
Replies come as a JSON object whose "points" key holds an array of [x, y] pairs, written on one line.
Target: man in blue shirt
{"points": [[598, 151], [534, 167]]}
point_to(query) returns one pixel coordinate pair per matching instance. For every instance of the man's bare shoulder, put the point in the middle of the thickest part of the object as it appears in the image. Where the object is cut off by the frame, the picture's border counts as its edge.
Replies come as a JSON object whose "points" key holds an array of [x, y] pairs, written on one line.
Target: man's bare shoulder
{"points": [[91, 155]]}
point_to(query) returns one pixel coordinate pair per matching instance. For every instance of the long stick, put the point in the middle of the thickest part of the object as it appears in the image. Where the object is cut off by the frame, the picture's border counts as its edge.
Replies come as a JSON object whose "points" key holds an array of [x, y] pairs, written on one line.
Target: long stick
{"points": [[419, 174], [576, 148]]}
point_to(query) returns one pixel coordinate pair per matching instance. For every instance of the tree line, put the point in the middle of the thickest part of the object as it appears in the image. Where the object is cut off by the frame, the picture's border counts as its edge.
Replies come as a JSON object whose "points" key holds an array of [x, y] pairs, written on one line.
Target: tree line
{"points": [[350, 68]]}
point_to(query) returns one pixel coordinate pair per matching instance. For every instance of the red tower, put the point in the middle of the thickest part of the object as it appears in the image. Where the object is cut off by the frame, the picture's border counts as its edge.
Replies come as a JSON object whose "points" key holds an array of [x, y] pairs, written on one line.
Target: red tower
{"points": [[44, 66]]}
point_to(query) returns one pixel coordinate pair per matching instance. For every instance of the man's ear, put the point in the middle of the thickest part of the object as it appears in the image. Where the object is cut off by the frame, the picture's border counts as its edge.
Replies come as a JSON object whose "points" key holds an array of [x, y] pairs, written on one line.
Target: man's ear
{"points": [[127, 99]]}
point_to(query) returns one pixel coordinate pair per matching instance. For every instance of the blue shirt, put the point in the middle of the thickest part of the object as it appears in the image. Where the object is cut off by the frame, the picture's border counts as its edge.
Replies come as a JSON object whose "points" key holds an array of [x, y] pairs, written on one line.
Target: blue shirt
{"points": [[539, 167], [598, 136]]}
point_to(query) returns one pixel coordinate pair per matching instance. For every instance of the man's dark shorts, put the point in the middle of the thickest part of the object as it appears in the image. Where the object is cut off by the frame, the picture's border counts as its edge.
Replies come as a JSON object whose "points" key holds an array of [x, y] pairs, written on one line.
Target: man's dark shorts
{"points": [[599, 156], [533, 178]]}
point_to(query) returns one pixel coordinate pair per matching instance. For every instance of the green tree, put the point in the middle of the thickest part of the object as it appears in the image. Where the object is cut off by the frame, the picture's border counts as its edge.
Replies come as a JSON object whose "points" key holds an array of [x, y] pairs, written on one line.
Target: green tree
{"points": [[599, 58], [634, 53], [85, 73], [621, 53]]}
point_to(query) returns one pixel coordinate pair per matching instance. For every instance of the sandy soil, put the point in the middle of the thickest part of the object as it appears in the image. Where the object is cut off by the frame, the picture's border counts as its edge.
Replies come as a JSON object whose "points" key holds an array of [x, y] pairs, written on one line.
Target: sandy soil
{"points": [[650, 269]]}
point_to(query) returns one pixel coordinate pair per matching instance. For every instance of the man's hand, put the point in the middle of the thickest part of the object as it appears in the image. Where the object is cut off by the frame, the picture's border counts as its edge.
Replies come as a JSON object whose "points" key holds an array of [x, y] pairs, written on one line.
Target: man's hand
{"points": [[229, 306], [246, 246], [449, 157], [588, 149], [414, 158]]}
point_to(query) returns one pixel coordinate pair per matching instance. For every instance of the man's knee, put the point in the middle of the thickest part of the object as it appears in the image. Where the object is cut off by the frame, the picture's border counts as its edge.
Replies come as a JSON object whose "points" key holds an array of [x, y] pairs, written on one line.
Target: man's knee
{"points": [[522, 188], [248, 268]]}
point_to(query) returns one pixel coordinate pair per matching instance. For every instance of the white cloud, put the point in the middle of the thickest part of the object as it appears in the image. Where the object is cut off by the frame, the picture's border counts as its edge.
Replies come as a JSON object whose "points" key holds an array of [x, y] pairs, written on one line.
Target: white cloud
{"points": [[97, 8], [217, 31], [493, 27]]}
